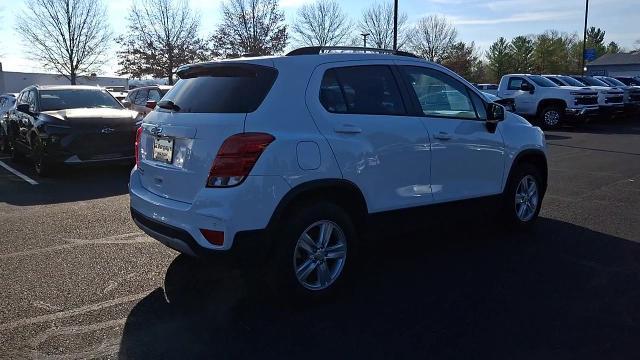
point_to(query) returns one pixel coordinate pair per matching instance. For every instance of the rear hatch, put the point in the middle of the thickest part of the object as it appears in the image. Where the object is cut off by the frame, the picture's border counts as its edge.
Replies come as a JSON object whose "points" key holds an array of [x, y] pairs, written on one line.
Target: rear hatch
{"points": [[181, 138]]}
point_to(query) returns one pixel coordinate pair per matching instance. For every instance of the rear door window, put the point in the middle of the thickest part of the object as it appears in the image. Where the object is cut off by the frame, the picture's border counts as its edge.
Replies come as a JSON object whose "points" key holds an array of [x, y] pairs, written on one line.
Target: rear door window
{"points": [[154, 95], [516, 83], [141, 97], [220, 88], [368, 89], [331, 96]]}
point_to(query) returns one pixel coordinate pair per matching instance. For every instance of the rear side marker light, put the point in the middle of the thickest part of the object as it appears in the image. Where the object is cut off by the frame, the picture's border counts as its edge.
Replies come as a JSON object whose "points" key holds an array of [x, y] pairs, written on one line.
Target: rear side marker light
{"points": [[236, 157], [214, 237]]}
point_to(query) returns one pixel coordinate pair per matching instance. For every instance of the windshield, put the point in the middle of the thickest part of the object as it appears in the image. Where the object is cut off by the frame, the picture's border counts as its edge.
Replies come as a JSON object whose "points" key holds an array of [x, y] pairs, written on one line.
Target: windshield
{"points": [[555, 80], [52, 100], [571, 81], [542, 81], [614, 82], [593, 81]]}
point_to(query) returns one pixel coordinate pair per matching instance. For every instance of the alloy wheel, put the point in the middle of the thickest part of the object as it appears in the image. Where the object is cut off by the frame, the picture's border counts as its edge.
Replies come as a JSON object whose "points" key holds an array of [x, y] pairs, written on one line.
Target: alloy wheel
{"points": [[320, 254], [527, 198], [551, 118]]}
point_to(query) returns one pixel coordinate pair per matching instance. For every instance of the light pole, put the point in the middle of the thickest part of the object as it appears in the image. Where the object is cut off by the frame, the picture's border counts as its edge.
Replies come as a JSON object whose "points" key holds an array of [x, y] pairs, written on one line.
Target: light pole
{"points": [[364, 38], [395, 25], [584, 37]]}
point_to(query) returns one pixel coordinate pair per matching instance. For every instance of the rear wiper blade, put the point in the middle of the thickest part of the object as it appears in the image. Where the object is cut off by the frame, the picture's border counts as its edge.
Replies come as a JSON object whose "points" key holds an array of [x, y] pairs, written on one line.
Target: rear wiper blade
{"points": [[169, 105]]}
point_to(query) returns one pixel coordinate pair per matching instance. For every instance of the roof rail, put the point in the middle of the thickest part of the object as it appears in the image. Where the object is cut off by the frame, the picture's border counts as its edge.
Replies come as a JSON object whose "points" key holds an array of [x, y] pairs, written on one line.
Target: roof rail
{"points": [[316, 50]]}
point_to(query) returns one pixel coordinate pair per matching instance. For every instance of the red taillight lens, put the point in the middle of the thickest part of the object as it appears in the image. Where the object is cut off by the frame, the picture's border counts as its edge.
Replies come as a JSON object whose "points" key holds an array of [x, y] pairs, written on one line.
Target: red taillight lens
{"points": [[236, 157], [137, 147]]}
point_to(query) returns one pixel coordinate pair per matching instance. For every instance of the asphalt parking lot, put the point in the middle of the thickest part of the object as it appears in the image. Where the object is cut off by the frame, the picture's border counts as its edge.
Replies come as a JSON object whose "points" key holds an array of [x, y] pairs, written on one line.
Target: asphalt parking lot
{"points": [[79, 280]]}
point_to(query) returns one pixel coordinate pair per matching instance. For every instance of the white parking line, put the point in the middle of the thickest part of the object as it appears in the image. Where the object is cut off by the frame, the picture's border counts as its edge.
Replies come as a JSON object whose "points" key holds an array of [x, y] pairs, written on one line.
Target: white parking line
{"points": [[18, 174]]}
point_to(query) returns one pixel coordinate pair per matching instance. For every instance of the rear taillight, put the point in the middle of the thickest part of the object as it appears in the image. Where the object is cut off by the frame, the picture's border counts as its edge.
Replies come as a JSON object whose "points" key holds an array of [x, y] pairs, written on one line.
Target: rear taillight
{"points": [[137, 147], [236, 157]]}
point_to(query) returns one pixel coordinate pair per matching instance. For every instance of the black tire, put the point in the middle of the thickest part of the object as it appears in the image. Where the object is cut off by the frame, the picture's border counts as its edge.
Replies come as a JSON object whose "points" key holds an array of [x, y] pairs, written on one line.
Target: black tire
{"points": [[283, 280], [551, 117], [4, 145], [510, 206], [16, 155], [41, 165]]}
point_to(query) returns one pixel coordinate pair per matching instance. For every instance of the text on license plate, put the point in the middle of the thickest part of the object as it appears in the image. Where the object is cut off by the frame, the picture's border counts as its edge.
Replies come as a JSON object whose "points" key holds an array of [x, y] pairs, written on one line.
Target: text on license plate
{"points": [[163, 150]]}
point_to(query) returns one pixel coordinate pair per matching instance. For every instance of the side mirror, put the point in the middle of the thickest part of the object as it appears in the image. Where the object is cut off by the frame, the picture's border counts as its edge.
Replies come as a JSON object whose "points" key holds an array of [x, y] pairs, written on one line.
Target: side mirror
{"points": [[126, 103], [23, 108], [495, 114], [151, 104], [527, 87]]}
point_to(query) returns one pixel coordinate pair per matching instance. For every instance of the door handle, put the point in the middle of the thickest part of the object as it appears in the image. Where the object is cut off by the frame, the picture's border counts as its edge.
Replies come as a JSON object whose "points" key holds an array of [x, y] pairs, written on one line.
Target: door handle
{"points": [[442, 136], [347, 129]]}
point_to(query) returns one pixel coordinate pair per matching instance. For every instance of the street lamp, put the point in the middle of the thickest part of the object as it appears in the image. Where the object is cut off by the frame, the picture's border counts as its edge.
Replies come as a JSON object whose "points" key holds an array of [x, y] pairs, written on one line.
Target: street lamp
{"points": [[395, 25], [364, 38], [584, 37]]}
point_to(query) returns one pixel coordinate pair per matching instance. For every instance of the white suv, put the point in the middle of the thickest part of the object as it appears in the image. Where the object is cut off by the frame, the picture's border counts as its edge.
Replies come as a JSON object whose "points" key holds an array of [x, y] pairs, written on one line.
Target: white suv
{"points": [[290, 156]]}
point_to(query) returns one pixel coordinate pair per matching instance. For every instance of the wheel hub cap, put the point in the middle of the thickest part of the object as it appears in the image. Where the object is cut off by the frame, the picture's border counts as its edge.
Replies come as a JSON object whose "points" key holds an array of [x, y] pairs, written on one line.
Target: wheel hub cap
{"points": [[551, 117], [319, 255], [526, 201]]}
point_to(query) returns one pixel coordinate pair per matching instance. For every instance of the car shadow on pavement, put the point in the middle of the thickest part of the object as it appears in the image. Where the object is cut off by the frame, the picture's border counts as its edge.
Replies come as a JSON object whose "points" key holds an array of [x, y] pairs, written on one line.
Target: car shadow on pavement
{"points": [[465, 290], [68, 185]]}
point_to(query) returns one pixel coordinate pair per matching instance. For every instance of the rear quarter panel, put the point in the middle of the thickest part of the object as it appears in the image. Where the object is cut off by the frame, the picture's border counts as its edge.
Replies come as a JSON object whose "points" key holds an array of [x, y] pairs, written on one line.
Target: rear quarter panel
{"points": [[284, 114]]}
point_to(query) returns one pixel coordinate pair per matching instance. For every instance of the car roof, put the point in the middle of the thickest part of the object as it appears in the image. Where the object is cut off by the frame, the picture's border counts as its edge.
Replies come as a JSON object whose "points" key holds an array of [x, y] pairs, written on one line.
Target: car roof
{"points": [[161, 87], [68, 87]]}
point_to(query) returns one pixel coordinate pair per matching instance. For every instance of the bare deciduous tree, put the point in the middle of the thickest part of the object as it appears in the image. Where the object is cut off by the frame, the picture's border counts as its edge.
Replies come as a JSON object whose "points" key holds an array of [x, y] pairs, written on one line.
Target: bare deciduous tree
{"points": [[322, 23], [377, 21], [251, 27], [161, 35], [432, 37], [70, 37]]}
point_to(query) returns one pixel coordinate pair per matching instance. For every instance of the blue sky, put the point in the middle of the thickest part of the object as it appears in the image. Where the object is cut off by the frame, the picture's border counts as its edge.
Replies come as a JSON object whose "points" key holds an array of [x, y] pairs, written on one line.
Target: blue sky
{"points": [[481, 21]]}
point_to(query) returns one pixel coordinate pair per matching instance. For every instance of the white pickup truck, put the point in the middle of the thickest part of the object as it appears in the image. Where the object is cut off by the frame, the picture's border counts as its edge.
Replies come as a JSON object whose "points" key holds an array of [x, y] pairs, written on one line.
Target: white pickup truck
{"points": [[537, 96], [610, 100]]}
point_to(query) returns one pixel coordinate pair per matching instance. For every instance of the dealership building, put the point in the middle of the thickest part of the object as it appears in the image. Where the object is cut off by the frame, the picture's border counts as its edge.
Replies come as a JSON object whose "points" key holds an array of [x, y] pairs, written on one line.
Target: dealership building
{"points": [[622, 64], [13, 82]]}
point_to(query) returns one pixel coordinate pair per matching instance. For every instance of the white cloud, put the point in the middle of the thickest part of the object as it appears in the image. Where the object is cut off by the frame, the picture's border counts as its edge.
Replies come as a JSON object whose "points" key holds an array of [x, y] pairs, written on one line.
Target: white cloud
{"points": [[517, 18]]}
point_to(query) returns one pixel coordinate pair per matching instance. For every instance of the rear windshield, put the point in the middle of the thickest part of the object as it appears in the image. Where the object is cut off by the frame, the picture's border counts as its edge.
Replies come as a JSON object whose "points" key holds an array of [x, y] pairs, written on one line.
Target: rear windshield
{"points": [[51, 100], [221, 88]]}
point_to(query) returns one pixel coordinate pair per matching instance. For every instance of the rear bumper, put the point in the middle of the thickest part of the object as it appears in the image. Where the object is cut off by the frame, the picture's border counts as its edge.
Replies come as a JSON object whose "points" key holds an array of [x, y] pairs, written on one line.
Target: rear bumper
{"points": [[250, 246], [240, 212]]}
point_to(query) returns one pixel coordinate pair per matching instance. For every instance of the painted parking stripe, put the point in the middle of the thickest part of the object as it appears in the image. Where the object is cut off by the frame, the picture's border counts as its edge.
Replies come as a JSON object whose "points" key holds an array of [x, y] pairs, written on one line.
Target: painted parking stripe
{"points": [[18, 174]]}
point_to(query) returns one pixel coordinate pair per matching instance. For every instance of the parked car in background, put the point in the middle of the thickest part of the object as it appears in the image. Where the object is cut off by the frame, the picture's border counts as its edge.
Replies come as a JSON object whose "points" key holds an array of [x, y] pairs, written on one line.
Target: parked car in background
{"points": [[628, 80], [509, 104], [7, 101], [54, 125], [488, 88], [119, 95], [537, 96], [296, 156], [610, 100], [144, 99], [631, 93]]}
